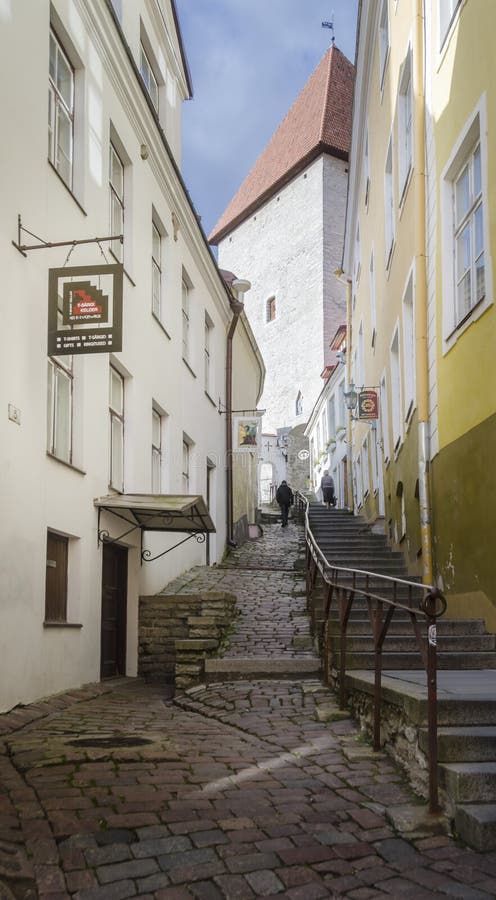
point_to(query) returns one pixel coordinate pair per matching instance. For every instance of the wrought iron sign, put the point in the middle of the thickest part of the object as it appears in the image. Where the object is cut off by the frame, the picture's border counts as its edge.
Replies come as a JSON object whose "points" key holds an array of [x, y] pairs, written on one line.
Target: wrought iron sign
{"points": [[85, 310]]}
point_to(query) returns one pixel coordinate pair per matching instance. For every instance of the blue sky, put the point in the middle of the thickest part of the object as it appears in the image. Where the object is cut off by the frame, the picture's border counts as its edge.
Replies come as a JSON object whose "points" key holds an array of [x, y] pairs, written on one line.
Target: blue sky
{"points": [[249, 60]]}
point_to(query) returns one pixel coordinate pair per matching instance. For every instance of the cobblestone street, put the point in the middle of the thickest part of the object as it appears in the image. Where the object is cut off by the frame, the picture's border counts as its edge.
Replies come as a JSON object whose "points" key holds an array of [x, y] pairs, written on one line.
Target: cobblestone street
{"points": [[231, 790]]}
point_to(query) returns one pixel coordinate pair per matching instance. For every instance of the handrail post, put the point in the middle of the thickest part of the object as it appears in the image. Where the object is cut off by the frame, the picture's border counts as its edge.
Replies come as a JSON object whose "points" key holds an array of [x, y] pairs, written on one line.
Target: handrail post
{"points": [[432, 714], [377, 676]]}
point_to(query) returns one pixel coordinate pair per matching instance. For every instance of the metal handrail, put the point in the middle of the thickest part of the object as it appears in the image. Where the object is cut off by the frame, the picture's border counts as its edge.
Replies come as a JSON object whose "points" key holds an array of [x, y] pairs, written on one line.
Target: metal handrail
{"points": [[430, 606]]}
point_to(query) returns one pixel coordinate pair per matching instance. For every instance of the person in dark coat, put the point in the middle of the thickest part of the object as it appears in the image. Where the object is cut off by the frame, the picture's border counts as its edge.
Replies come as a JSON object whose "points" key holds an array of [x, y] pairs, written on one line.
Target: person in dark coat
{"points": [[284, 497], [327, 487]]}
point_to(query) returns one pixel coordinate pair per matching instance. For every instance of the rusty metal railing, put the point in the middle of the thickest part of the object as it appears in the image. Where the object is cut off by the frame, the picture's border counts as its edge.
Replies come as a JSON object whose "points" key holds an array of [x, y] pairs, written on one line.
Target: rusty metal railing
{"points": [[423, 603]]}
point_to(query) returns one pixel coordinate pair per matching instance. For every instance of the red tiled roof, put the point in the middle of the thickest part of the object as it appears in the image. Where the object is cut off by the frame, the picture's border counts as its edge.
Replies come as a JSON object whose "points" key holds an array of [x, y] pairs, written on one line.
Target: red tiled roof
{"points": [[319, 121]]}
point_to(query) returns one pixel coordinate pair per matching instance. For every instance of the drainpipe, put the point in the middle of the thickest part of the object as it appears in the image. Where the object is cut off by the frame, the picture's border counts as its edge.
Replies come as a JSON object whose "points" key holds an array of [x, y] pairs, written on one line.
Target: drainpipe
{"points": [[421, 326], [239, 287], [349, 437]]}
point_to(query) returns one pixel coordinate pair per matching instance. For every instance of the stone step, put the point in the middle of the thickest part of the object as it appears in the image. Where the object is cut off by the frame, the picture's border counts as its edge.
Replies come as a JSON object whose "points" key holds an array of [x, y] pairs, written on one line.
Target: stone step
{"points": [[469, 782], [476, 825], [407, 660], [246, 668], [401, 624], [475, 743], [396, 643], [196, 644]]}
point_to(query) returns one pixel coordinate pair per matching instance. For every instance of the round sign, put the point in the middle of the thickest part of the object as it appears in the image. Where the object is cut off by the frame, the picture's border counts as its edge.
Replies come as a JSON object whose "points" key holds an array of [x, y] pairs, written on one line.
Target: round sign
{"points": [[303, 454]]}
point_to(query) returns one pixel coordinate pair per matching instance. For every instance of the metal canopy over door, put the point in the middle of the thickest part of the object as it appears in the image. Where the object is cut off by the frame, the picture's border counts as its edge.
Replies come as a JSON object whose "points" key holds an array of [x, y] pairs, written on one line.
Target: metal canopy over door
{"points": [[114, 609]]}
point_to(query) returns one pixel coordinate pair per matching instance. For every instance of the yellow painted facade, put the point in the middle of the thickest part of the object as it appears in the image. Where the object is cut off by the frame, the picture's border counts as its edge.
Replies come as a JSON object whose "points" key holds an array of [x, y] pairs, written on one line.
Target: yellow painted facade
{"points": [[421, 239]]}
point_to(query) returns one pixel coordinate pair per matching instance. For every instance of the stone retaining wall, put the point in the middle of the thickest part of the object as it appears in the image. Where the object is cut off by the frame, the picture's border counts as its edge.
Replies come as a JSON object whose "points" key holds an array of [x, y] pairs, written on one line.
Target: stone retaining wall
{"points": [[176, 632]]}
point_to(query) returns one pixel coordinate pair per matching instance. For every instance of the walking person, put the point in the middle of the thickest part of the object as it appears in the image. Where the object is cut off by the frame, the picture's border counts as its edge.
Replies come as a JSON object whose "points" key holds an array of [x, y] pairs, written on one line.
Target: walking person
{"points": [[327, 487], [285, 499]]}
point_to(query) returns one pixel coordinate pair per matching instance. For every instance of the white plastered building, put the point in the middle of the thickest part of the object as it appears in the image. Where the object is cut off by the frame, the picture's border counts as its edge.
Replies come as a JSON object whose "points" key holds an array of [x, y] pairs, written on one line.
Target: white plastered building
{"points": [[93, 149]]}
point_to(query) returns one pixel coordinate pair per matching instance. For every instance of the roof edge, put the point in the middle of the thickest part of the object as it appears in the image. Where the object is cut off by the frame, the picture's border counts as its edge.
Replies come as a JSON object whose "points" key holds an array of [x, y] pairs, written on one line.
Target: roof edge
{"points": [[216, 236]]}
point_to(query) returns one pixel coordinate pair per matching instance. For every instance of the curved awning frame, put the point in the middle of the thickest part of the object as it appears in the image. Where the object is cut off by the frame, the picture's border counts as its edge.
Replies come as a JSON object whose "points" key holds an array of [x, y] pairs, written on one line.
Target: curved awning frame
{"points": [[156, 512]]}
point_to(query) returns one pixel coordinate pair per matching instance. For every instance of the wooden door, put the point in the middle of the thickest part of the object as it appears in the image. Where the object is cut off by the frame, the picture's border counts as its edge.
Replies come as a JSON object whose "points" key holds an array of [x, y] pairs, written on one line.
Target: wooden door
{"points": [[114, 609]]}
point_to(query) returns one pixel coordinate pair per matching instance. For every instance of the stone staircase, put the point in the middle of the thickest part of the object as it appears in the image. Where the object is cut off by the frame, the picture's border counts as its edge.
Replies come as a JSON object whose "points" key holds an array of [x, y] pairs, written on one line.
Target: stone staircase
{"points": [[347, 541], [467, 723]]}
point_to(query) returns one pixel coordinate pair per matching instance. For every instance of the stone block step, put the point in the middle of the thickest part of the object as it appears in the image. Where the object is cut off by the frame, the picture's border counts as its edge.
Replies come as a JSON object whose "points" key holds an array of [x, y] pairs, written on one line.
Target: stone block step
{"points": [[397, 643], [246, 668], [476, 825], [196, 644], [475, 743], [406, 660], [469, 782], [401, 624]]}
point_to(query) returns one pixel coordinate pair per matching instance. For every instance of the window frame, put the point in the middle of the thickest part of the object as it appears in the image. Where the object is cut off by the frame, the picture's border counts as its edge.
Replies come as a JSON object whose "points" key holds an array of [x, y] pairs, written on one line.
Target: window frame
{"points": [[207, 350], [405, 124], [389, 205], [56, 606], [156, 272], [473, 135], [384, 43], [372, 298], [156, 479], [120, 198], [445, 29], [186, 474], [116, 416], [396, 387], [56, 105], [186, 319], [58, 370], [270, 309], [384, 413], [150, 80], [408, 334]]}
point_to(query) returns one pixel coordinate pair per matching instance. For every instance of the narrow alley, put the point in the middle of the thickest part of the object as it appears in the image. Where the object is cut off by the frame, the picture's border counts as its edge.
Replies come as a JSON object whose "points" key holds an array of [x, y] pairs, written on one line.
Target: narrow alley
{"points": [[234, 789]]}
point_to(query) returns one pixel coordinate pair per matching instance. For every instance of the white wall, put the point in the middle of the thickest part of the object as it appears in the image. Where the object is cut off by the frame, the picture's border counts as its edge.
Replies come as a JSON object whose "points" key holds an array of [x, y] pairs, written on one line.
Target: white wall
{"points": [[38, 492]]}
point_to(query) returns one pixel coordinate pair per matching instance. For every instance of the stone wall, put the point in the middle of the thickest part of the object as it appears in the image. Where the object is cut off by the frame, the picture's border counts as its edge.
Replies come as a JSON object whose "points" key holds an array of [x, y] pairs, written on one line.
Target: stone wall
{"points": [[176, 632]]}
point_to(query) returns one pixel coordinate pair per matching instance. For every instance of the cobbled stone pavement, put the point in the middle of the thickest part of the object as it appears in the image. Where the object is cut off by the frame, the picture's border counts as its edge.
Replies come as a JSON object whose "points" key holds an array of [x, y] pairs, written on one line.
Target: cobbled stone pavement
{"points": [[231, 790]]}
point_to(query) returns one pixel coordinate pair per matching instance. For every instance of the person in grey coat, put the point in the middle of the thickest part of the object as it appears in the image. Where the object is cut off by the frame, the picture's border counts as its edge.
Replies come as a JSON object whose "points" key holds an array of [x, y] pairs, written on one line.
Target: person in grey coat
{"points": [[327, 487]]}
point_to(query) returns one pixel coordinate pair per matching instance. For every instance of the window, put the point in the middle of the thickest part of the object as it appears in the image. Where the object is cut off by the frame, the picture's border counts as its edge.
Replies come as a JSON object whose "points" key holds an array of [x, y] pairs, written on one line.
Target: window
{"points": [[116, 411], [367, 169], [148, 77], [60, 111], [389, 203], [207, 353], [395, 390], [331, 417], [185, 316], [59, 407], [360, 359], [270, 309], [156, 452], [467, 276], [468, 235], [373, 321], [156, 271], [409, 348], [319, 438], [447, 10], [56, 578], [384, 419], [405, 123], [359, 482], [358, 263], [186, 462], [383, 41], [400, 493], [373, 457], [299, 404], [116, 185]]}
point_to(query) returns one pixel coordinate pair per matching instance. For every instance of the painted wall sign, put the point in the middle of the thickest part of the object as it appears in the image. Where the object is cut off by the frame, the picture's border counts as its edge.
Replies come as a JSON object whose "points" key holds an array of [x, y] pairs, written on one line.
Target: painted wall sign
{"points": [[368, 405], [85, 310], [246, 434]]}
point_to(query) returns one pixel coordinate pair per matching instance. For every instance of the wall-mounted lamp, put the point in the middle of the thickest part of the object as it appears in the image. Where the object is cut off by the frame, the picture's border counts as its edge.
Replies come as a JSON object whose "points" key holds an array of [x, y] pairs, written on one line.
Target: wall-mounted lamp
{"points": [[351, 397]]}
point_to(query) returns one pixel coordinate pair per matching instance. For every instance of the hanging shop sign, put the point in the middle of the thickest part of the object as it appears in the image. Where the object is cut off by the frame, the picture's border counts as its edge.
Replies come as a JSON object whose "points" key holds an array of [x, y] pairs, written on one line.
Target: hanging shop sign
{"points": [[85, 310], [246, 434], [368, 405]]}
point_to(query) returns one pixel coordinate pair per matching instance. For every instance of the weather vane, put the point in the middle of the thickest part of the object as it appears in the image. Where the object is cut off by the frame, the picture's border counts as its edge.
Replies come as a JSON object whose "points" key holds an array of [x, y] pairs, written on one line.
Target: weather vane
{"points": [[331, 26]]}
